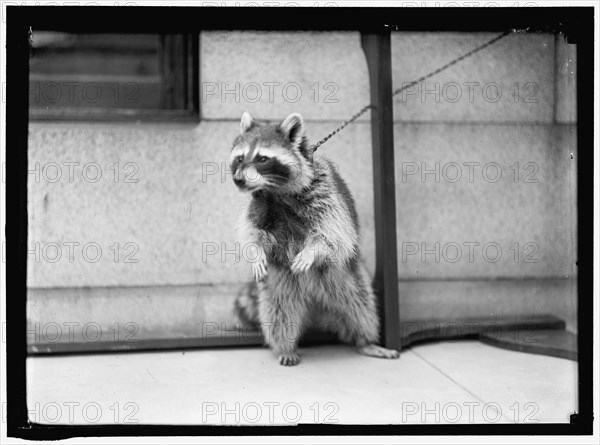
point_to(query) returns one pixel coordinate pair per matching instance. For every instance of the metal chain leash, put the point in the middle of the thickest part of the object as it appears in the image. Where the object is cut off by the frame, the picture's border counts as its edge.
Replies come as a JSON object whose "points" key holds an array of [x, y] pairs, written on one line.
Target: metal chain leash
{"points": [[364, 109]]}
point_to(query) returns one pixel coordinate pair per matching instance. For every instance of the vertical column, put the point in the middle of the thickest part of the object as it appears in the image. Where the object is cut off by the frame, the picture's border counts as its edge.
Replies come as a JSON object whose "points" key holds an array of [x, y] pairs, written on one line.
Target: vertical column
{"points": [[377, 49]]}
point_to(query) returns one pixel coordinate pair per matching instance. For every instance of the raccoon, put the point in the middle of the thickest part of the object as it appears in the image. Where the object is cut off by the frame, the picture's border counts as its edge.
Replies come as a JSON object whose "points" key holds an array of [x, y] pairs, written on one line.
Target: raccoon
{"points": [[300, 230]]}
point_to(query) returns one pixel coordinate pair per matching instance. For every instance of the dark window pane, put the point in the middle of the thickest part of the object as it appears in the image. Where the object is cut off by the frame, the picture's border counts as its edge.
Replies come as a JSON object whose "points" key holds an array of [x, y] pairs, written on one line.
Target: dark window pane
{"points": [[95, 54], [100, 75]]}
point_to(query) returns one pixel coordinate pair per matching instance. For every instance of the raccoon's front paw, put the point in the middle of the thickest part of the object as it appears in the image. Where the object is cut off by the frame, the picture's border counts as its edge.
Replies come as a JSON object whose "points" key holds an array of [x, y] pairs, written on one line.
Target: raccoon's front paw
{"points": [[289, 359], [303, 261], [259, 269]]}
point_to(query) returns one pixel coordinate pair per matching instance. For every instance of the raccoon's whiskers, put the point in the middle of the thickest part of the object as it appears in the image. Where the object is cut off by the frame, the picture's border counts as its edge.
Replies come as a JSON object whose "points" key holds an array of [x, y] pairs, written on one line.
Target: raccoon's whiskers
{"points": [[283, 178]]}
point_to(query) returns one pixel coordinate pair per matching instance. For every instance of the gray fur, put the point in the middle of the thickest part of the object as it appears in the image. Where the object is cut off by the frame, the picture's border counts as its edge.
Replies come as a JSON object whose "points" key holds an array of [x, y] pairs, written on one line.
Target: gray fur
{"points": [[310, 274]]}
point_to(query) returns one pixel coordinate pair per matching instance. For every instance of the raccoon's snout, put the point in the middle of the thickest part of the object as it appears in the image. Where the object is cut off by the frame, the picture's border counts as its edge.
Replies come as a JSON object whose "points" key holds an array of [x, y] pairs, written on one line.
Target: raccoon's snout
{"points": [[247, 178]]}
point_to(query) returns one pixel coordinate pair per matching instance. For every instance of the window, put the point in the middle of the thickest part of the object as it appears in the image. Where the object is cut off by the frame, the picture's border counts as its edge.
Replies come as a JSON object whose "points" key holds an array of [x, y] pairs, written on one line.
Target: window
{"points": [[135, 77]]}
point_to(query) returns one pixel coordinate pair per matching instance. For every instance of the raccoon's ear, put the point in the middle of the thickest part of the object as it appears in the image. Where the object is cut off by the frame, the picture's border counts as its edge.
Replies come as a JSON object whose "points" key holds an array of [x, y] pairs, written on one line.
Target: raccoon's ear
{"points": [[247, 122], [292, 127], [306, 150]]}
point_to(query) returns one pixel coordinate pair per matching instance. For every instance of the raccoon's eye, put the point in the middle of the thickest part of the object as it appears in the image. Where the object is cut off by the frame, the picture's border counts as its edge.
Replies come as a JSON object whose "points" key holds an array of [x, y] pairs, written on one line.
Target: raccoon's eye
{"points": [[240, 158], [262, 159]]}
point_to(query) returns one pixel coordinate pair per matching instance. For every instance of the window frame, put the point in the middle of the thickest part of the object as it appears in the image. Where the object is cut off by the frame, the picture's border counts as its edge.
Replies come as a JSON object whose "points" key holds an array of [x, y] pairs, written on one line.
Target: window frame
{"points": [[179, 58]]}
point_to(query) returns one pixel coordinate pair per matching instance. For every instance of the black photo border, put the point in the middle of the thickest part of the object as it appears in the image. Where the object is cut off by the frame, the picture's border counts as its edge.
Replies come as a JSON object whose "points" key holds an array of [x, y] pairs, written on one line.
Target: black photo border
{"points": [[576, 22]]}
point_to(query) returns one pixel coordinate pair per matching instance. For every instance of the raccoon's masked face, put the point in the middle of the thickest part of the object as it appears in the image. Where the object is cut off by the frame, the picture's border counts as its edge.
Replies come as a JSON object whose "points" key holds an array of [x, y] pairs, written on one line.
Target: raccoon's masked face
{"points": [[272, 157]]}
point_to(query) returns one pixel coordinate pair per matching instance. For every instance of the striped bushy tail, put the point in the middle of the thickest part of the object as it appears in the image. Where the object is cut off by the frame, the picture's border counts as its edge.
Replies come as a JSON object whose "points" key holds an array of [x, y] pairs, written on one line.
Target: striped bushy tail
{"points": [[246, 306]]}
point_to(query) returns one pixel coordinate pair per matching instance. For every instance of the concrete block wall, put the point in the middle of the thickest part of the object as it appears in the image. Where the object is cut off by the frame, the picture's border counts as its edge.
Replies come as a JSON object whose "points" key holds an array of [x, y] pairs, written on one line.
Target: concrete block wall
{"points": [[166, 221], [486, 177]]}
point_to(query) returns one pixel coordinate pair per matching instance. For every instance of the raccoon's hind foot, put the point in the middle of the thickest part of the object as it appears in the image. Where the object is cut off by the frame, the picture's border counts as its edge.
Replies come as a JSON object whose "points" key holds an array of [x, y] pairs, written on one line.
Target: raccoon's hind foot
{"points": [[378, 351], [289, 359]]}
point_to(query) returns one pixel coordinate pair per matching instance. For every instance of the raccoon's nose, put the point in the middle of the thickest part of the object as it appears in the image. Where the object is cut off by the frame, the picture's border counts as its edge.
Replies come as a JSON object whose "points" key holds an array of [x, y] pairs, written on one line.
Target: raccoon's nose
{"points": [[239, 181]]}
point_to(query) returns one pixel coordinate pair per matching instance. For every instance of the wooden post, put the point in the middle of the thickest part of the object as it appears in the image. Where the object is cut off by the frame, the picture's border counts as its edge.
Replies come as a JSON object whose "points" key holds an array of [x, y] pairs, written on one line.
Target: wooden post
{"points": [[377, 49]]}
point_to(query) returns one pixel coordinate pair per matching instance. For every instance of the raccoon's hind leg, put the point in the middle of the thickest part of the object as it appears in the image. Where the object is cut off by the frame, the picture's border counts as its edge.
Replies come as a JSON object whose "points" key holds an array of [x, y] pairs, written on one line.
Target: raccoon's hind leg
{"points": [[282, 311], [358, 322], [363, 345]]}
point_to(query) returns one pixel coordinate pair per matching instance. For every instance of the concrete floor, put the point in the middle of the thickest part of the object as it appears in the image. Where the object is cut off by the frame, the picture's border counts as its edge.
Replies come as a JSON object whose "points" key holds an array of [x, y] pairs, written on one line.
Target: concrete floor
{"points": [[446, 382]]}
